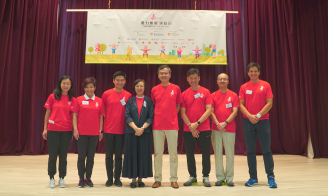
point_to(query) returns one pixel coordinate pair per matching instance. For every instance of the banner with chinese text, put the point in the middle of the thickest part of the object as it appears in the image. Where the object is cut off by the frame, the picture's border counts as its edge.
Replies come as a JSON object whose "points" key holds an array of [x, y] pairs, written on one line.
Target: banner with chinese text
{"points": [[156, 37]]}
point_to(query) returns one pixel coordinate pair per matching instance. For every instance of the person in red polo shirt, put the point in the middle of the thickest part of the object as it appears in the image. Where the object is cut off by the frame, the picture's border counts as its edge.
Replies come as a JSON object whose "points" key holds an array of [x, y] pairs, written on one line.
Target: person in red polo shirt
{"points": [[256, 100], [195, 109], [225, 108], [58, 128], [167, 99], [114, 101], [88, 123]]}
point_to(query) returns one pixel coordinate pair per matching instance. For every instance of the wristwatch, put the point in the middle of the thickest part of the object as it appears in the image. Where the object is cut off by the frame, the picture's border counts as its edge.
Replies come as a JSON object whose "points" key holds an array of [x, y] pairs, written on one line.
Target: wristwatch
{"points": [[101, 131], [143, 127], [198, 122], [258, 115]]}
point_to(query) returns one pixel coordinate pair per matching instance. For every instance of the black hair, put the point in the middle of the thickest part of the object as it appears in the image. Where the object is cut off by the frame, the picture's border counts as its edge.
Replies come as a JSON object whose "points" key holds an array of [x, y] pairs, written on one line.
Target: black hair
{"points": [[193, 71], [58, 90], [87, 81], [119, 73], [136, 82], [163, 67], [253, 64]]}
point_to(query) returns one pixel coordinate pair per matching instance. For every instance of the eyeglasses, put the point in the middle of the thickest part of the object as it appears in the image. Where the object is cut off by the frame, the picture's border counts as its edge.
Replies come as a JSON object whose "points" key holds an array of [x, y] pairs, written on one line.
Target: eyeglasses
{"points": [[163, 73]]}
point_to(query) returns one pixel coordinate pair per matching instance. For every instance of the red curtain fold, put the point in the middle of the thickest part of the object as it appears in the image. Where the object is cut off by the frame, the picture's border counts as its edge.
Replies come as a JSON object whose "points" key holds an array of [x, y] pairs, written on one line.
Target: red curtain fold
{"points": [[286, 37], [27, 72]]}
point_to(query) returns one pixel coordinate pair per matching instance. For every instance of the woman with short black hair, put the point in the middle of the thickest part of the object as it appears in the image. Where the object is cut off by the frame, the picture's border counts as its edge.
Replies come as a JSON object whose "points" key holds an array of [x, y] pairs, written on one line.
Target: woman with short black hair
{"points": [[139, 114], [88, 123]]}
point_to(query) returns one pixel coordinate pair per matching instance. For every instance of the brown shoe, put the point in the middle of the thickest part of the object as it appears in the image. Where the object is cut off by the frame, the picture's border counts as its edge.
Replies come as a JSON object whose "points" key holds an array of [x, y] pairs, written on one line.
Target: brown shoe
{"points": [[174, 185], [156, 184]]}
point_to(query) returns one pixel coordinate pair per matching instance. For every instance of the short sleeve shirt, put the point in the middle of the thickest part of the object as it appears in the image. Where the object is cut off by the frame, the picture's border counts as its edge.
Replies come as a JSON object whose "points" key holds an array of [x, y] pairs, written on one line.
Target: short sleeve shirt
{"points": [[165, 99], [223, 103], [60, 116], [195, 103], [115, 102], [88, 111], [255, 95]]}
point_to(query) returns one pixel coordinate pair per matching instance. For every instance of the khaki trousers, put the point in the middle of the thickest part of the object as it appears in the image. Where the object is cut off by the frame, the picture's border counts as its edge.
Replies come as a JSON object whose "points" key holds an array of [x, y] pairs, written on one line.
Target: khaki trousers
{"points": [[220, 139], [172, 143]]}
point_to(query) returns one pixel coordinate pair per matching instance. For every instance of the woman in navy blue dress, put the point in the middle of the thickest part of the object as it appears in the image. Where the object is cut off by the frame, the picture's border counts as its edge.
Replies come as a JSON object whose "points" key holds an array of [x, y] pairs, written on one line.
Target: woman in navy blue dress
{"points": [[139, 112]]}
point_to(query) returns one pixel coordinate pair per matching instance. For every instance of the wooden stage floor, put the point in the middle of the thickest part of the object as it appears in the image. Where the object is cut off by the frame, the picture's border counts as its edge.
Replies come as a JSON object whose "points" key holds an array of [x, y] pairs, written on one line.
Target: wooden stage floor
{"points": [[295, 175]]}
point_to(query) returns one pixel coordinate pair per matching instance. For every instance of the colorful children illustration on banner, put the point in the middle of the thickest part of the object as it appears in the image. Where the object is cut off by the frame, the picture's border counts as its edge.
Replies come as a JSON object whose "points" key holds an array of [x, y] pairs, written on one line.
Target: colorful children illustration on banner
{"points": [[179, 51], [128, 53], [162, 50], [113, 47], [156, 37], [145, 51], [196, 50]]}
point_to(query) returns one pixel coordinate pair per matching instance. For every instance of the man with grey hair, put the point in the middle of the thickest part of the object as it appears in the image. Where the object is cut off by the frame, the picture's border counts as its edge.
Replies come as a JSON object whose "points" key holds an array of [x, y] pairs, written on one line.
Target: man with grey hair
{"points": [[167, 99]]}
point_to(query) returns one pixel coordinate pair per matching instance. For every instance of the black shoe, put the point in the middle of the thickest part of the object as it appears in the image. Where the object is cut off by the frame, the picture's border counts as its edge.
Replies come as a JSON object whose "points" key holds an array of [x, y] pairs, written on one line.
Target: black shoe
{"points": [[109, 183], [118, 183], [133, 184], [81, 183], [88, 182], [141, 184]]}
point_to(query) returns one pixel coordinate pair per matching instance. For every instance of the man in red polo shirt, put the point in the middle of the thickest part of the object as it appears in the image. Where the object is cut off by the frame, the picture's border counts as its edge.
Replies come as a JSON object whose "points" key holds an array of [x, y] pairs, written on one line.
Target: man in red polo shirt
{"points": [[256, 100], [195, 110], [167, 99], [114, 101], [225, 108]]}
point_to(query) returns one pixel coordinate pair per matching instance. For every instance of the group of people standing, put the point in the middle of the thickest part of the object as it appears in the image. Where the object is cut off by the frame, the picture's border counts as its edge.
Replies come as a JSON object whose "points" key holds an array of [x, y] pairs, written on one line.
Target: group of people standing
{"points": [[126, 122]]}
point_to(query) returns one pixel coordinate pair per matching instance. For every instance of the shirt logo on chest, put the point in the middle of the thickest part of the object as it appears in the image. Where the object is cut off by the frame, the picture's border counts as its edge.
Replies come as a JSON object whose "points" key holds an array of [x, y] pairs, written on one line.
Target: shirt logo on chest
{"points": [[172, 93], [69, 103], [261, 88], [229, 99], [96, 104]]}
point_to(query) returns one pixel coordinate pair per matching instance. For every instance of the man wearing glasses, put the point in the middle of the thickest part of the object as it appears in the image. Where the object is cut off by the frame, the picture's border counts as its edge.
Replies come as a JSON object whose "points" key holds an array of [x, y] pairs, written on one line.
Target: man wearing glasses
{"points": [[167, 99], [225, 108]]}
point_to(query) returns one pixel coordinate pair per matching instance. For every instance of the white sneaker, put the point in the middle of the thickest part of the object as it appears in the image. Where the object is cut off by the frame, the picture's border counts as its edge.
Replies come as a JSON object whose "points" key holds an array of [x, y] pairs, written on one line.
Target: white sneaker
{"points": [[61, 183], [52, 183], [230, 183], [206, 182]]}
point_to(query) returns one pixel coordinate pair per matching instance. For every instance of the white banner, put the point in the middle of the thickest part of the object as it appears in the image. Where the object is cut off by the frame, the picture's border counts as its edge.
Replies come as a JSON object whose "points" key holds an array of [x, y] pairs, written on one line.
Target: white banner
{"points": [[156, 37]]}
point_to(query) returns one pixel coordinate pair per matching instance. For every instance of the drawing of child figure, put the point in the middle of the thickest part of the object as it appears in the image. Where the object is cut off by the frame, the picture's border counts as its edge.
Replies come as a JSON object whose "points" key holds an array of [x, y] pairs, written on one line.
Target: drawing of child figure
{"points": [[179, 51], [213, 47], [145, 51], [196, 51], [128, 52], [97, 49], [162, 54], [113, 47]]}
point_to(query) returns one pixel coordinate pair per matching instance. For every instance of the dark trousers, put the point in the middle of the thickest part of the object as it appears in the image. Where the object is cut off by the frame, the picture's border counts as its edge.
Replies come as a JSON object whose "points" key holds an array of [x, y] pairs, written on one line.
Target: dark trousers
{"points": [[262, 132], [86, 148], [114, 144], [204, 141], [59, 143]]}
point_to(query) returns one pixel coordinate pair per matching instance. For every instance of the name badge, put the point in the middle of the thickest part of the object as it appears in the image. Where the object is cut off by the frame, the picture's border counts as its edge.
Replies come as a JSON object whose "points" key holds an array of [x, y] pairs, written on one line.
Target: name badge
{"points": [[197, 95], [229, 105], [145, 104], [249, 92], [51, 122], [123, 102], [85, 102]]}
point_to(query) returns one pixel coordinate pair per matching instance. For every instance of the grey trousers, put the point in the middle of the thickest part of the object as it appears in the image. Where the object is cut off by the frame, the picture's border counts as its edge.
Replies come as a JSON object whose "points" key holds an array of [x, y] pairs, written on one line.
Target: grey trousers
{"points": [[226, 140]]}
